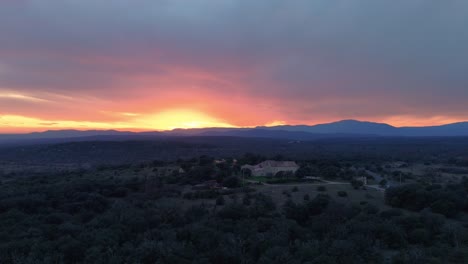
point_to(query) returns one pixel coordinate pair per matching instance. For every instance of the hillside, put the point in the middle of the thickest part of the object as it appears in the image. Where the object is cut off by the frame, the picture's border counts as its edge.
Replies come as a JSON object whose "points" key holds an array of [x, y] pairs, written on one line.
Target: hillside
{"points": [[340, 129]]}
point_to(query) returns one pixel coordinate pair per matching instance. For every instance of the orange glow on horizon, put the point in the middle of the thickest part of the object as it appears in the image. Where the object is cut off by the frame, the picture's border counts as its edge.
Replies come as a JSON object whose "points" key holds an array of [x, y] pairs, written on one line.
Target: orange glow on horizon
{"points": [[411, 121], [179, 118], [165, 120]]}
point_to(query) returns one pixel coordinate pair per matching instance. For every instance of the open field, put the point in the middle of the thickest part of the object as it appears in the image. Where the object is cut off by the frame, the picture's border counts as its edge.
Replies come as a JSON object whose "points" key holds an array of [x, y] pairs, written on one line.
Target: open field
{"points": [[354, 196]]}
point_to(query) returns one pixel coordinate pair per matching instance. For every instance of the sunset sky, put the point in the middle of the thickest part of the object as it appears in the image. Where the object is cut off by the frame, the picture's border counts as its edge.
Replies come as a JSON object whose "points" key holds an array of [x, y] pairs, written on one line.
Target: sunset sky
{"points": [[163, 64]]}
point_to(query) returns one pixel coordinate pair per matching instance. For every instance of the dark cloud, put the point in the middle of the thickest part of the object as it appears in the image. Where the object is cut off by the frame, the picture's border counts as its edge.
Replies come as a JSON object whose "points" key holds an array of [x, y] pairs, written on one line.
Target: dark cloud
{"points": [[305, 59]]}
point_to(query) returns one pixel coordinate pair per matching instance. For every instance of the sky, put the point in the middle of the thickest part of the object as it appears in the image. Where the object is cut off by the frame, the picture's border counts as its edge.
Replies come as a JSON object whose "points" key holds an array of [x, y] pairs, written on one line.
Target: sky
{"points": [[163, 64]]}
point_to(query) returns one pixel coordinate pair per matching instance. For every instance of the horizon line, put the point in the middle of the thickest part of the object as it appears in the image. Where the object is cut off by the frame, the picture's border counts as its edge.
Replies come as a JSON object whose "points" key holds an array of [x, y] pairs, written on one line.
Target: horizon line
{"points": [[138, 130]]}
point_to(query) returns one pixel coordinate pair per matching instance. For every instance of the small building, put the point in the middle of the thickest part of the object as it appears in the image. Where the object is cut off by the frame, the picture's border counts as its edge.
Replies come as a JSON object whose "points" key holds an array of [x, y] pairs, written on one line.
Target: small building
{"points": [[362, 179], [271, 167]]}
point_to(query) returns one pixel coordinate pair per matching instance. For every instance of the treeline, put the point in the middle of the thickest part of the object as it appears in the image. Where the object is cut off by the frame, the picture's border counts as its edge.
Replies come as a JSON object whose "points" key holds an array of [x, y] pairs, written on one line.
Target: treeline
{"points": [[114, 218], [450, 200], [372, 149]]}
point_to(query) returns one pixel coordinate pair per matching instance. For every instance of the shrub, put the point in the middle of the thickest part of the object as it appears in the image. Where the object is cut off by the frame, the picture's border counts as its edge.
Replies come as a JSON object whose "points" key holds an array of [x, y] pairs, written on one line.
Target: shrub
{"points": [[342, 194], [317, 205], [419, 236], [412, 196], [234, 212], [263, 205], [383, 183], [445, 207], [246, 200], [220, 200], [208, 194], [119, 192], [232, 182], [195, 213], [371, 209], [321, 188], [356, 184], [387, 214]]}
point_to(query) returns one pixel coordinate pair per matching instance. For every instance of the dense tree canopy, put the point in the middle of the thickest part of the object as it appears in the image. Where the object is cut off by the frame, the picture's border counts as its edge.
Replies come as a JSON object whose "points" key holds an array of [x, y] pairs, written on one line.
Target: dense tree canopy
{"points": [[127, 215]]}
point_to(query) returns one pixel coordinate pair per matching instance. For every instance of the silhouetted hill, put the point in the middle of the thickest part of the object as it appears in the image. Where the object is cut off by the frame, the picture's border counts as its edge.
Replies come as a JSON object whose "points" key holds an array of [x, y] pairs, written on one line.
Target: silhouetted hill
{"points": [[344, 127], [340, 129], [380, 129], [456, 129]]}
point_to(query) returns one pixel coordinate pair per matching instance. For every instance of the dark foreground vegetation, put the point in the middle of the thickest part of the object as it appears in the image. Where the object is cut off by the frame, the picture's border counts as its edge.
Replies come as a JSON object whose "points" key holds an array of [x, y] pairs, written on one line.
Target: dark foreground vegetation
{"points": [[170, 201], [368, 149], [137, 214]]}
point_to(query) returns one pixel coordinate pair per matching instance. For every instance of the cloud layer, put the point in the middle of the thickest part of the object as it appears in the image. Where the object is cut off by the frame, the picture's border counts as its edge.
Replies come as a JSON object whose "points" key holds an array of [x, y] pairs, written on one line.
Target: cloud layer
{"points": [[241, 63]]}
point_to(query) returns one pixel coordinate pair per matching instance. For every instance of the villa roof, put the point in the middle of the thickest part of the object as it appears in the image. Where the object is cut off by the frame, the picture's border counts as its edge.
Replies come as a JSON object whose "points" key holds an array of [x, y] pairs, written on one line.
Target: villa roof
{"points": [[274, 163]]}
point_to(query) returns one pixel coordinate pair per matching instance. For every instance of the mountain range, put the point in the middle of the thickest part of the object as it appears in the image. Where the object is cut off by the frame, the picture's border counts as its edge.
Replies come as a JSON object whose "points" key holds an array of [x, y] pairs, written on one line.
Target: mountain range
{"points": [[340, 129]]}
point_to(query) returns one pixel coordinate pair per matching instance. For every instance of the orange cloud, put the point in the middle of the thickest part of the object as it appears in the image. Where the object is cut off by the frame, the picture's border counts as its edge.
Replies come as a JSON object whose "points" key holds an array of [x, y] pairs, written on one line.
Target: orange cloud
{"points": [[408, 120], [165, 120]]}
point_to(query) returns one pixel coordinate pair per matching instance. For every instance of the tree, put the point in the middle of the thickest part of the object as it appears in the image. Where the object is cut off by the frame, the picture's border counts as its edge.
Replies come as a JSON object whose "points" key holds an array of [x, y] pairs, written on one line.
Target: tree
{"points": [[232, 182], [321, 188], [250, 158], [234, 212], [330, 172], [220, 200], [356, 184], [411, 196], [383, 183], [280, 174], [247, 172], [205, 160], [298, 212], [288, 174], [445, 207], [342, 194], [303, 171], [246, 200], [317, 205], [419, 236], [263, 205]]}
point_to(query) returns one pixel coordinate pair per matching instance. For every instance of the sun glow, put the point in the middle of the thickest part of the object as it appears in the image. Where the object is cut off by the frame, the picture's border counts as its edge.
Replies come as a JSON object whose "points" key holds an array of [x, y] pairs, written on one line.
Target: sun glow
{"points": [[181, 118], [166, 120]]}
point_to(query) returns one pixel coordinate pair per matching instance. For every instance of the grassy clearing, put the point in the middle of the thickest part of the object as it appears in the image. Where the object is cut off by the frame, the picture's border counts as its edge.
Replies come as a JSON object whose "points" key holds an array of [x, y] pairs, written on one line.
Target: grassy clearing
{"points": [[353, 196], [258, 179]]}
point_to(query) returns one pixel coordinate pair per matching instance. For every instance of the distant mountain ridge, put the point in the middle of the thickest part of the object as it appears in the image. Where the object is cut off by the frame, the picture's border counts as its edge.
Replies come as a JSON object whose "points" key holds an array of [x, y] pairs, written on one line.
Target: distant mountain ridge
{"points": [[341, 127], [380, 129], [344, 128]]}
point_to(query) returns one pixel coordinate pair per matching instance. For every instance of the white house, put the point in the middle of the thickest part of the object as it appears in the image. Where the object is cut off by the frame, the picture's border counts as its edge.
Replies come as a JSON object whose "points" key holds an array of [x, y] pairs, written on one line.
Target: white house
{"points": [[271, 167]]}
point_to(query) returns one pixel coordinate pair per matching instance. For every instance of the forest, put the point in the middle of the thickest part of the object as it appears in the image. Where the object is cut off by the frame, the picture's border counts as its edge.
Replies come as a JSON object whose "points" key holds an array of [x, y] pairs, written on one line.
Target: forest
{"points": [[129, 213]]}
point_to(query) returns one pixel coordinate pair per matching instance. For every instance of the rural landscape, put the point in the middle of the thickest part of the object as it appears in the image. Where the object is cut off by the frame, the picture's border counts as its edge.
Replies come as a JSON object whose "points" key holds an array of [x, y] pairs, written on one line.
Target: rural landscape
{"points": [[225, 200], [233, 132]]}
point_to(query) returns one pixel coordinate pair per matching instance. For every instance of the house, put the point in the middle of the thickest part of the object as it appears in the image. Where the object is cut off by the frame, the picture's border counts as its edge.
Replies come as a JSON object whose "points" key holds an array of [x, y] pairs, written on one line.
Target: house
{"points": [[271, 167], [362, 179]]}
